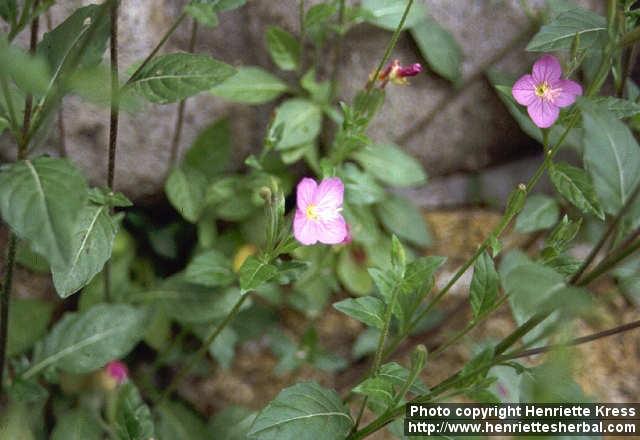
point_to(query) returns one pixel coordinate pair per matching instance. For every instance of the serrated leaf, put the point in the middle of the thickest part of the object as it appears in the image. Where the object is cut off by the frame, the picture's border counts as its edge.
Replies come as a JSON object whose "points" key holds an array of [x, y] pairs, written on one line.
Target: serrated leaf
{"points": [[172, 77], [301, 119], [484, 285], [387, 13], [133, 419], [439, 48], [41, 200], [92, 244], [185, 190], [560, 33], [367, 309], [255, 273], [211, 269], [539, 212], [190, 303], [77, 424], [622, 108], [82, 342], [283, 47], [303, 410], [211, 151], [63, 44], [611, 156], [250, 85], [574, 184], [404, 219], [389, 164], [28, 322]]}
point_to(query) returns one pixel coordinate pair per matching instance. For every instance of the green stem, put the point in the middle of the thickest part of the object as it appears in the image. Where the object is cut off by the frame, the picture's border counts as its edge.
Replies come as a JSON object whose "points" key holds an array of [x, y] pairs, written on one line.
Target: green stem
{"points": [[202, 350], [390, 46], [333, 84], [177, 132], [157, 48], [6, 93], [609, 263], [4, 305]]}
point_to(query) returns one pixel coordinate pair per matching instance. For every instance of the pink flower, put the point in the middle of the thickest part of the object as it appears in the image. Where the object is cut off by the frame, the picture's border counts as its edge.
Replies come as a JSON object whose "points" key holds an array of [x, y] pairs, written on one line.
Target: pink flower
{"points": [[347, 238], [318, 209], [397, 74], [117, 371], [544, 92]]}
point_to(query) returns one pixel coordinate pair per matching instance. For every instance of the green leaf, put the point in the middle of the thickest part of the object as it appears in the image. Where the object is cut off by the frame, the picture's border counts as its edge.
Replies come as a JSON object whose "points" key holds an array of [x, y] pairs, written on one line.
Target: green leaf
{"points": [[575, 185], [622, 108], [203, 11], [176, 421], [398, 375], [232, 423], [539, 212], [611, 156], [255, 273], [30, 73], [63, 44], [560, 33], [172, 77], [360, 187], [379, 390], [41, 200], [301, 119], [388, 13], [303, 410], [353, 273], [211, 269], [190, 303], [85, 341], [367, 309], [28, 322], [362, 223], [211, 151], [484, 286], [8, 10], [185, 190], [92, 244], [77, 424], [389, 164], [250, 85], [439, 48], [133, 419], [398, 257], [283, 47], [404, 219]]}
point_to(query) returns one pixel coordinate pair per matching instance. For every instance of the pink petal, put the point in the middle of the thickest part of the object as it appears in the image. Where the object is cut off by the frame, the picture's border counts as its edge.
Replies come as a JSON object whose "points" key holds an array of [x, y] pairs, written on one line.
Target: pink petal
{"points": [[547, 69], [305, 230], [329, 195], [332, 231], [543, 113], [305, 193], [569, 90], [523, 90]]}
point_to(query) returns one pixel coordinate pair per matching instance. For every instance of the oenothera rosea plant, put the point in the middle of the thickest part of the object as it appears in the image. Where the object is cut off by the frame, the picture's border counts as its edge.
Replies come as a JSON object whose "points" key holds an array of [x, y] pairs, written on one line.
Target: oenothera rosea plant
{"points": [[315, 220]]}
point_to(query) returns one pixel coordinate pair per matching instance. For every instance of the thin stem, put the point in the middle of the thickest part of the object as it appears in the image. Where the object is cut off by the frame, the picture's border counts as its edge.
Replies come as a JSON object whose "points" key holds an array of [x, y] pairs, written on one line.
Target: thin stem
{"points": [[390, 46], [630, 37], [28, 105], [577, 341], [4, 305], [157, 48], [61, 128], [177, 132], [6, 93], [616, 220], [609, 263], [113, 125], [203, 349], [628, 68]]}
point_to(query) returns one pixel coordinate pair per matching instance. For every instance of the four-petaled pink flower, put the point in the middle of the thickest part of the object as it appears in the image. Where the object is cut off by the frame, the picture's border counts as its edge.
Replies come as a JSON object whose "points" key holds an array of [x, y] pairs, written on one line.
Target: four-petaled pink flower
{"points": [[117, 371], [318, 217], [544, 92], [397, 74]]}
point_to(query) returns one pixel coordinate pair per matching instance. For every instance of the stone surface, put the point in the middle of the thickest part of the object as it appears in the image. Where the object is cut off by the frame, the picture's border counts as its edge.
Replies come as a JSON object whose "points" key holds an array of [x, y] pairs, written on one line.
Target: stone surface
{"points": [[468, 131]]}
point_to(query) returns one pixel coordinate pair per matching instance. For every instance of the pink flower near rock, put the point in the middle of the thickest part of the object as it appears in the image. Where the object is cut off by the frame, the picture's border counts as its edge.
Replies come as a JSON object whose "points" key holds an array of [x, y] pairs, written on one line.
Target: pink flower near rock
{"points": [[318, 215], [544, 92]]}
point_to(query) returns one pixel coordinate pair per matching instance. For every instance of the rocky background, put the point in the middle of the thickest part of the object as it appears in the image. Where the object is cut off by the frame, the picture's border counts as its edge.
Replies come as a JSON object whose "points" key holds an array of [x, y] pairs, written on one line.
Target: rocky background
{"points": [[450, 129]]}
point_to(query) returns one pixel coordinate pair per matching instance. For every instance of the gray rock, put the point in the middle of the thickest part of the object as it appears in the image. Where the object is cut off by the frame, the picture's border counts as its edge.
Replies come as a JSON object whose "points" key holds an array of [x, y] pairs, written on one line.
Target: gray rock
{"points": [[468, 130]]}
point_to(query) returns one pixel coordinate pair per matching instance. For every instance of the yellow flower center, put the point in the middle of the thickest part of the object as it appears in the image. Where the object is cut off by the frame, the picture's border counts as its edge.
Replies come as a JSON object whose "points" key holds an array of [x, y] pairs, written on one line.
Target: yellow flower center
{"points": [[311, 212], [542, 89]]}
